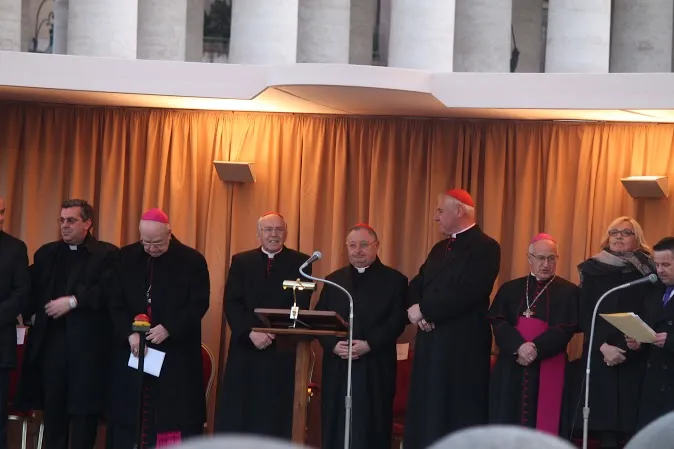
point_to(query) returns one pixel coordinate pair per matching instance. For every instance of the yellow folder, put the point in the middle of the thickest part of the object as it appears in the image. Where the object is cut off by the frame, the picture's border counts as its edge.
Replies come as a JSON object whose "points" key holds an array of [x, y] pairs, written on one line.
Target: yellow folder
{"points": [[631, 325]]}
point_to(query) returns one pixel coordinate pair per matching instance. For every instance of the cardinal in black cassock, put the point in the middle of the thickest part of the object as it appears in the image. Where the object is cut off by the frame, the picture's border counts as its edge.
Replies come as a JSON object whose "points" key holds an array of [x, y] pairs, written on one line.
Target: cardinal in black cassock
{"points": [[168, 281], [533, 319], [450, 297], [256, 394], [379, 294]]}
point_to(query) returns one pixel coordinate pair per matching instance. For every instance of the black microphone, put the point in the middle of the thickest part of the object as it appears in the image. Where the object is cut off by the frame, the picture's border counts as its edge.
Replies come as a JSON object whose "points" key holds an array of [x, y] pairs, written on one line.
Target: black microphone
{"points": [[314, 257]]}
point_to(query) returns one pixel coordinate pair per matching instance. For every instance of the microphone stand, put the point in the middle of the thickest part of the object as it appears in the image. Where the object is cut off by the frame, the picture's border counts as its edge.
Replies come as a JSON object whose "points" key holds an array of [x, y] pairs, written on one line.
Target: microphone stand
{"points": [[347, 399], [586, 408]]}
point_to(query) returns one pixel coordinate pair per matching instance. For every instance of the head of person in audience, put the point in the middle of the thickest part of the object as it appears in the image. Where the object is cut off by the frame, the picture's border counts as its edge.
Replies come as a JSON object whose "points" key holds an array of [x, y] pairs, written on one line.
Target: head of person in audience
{"points": [[155, 232], [76, 220], [663, 257], [542, 256], [657, 435], [2, 212], [362, 245], [236, 442], [501, 437], [455, 211], [625, 235], [272, 232]]}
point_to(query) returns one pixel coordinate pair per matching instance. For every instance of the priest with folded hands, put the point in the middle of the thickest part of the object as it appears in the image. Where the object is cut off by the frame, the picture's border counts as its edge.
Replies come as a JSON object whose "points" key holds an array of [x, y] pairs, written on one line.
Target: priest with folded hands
{"points": [[533, 319]]}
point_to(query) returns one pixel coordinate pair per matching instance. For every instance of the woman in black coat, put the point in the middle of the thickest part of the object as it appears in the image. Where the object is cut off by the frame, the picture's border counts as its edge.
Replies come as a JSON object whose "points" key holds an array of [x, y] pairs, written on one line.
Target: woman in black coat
{"points": [[615, 370]]}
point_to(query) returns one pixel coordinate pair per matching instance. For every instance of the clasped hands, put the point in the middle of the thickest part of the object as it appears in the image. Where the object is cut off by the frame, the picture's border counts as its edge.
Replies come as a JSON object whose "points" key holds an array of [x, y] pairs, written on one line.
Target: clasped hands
{"points": [[155, 335], [358, 349], [527, 353], [56, 308], [261, 340], [416, 318]]}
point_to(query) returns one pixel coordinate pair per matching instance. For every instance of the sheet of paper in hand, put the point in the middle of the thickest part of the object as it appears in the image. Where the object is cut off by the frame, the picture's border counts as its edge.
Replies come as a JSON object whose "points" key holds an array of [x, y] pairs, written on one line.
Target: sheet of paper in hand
{"points": [[153, 362], [631, 325], [20, 335]]}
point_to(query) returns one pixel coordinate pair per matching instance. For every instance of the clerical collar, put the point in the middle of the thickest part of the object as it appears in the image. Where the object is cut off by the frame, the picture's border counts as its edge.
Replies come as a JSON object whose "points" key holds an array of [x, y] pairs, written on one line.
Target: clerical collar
{"points": [[541, 280], [462, 231], [72, 247], [270, 255], [361, 270]]}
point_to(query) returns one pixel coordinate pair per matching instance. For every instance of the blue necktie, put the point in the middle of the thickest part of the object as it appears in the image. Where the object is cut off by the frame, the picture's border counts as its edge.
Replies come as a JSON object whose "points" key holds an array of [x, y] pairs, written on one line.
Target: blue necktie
{"points": [[667, 295]]}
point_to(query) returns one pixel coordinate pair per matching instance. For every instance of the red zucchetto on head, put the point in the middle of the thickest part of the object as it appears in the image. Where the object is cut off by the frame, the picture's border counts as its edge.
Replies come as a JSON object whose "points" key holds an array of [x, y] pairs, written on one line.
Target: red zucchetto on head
{"points": [[155, 214], [461, 196], [543, 236], [272, 213], [364, 225]]}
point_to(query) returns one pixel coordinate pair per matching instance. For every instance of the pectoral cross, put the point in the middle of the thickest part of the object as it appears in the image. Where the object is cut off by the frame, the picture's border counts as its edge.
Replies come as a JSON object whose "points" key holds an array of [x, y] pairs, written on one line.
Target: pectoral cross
{"points": [[528, 313]]}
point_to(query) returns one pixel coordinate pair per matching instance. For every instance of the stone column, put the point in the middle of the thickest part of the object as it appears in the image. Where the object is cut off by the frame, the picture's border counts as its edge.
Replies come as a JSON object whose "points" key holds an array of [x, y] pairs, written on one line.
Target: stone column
{"points": [[323, 31], [104, 28], [264, 32], [528, 29], [482, 37], [384, 30], [10, 25], [363, 20], [421, 35], [641, 36], [61, 27], [579, 33], [162, 29], [194, 41]]}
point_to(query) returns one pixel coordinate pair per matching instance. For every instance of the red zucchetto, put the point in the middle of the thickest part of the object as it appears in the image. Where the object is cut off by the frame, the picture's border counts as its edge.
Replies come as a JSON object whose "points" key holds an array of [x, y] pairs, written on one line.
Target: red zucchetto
{"points": [[155, 214], [543, 236], [461, 196], [272, 213]]}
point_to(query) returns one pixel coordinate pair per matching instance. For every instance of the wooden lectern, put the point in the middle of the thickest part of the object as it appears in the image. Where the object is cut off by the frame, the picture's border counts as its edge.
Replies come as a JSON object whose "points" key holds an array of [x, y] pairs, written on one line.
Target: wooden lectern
{"points": [[308, 325]]}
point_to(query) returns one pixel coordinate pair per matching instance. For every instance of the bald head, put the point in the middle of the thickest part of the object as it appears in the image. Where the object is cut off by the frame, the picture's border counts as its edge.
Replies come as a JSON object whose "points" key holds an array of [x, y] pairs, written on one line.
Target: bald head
{"points": [[237, 442], [154, 236], [657, 435], [543, 258], [2, 212]]}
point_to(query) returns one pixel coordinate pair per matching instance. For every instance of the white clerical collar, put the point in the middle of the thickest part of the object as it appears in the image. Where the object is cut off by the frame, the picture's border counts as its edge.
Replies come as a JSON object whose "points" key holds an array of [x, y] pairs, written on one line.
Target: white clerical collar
{"points": [[72, 247], [361, 270], [270, 255], [461, 231]]}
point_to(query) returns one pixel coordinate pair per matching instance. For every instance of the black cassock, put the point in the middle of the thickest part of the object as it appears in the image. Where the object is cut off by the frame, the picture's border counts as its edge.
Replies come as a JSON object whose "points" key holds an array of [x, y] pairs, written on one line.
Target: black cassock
{"points": [[450, 372], [379, 295], [179, 288], [657, 391], [614, 390], [256, 394], [513, 395]]}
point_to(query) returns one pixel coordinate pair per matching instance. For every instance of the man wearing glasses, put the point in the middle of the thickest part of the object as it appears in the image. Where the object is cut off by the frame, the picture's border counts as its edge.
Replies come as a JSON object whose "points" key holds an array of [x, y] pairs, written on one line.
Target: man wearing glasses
{"points": [[67, 351], [14, 291], [256, 394], [533, 319], [379, 294], [168, 281]]}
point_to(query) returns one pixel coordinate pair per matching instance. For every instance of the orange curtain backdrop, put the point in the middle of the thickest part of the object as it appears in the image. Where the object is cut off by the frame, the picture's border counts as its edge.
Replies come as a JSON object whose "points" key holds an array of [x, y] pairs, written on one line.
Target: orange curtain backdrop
{"points": [[325, 174]]}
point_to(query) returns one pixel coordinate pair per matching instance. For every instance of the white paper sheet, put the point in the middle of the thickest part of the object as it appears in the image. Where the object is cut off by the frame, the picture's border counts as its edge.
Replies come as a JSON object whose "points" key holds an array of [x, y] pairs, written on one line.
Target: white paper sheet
{"points": [[402, 350], [153, 362], [631, 325], [20, 335]]}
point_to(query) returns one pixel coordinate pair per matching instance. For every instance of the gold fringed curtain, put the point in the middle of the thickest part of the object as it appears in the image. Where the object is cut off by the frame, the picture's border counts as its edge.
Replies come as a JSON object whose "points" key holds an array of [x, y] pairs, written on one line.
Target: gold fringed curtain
{"points": [[324, 174]]}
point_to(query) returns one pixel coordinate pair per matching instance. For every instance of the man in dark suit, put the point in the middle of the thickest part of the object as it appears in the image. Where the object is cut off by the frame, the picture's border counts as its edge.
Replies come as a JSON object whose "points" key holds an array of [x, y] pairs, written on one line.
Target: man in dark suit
{"points": [[14, 291], [256, 394], [657, 388], [449, 301], [67, 354]]}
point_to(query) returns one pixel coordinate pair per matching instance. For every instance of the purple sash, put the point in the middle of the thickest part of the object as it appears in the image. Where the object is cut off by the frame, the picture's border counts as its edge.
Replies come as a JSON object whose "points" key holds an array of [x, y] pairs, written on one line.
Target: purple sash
{"points": [[551, 381]]}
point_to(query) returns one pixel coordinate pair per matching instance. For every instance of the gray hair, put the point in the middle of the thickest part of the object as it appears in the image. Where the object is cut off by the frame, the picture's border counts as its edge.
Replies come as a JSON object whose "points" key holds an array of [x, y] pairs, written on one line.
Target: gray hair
{"points": [[501, 437], [236, 442], [657, 435]]}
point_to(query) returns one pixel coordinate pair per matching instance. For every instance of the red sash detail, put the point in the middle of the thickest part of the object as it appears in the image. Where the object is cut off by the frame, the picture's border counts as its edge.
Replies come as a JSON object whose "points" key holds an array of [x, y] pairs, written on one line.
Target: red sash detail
{"points": [[551, 380]]}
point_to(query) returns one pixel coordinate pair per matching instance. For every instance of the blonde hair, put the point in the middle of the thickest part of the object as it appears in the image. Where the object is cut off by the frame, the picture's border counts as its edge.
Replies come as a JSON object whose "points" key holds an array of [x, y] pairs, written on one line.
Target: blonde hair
{"points": [[638, 234]]}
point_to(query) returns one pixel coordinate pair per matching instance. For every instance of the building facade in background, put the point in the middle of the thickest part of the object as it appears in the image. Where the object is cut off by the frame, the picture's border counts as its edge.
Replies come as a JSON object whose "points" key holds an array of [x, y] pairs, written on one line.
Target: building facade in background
{"points": [[557, 36]]}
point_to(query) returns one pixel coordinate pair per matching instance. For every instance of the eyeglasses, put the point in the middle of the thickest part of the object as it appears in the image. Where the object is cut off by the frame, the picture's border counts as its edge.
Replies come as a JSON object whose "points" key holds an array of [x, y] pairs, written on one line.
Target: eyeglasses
{"points": [[69, 220], [278, 230], [541, 259], [362, 245], [623, 232], [147, 244]]}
